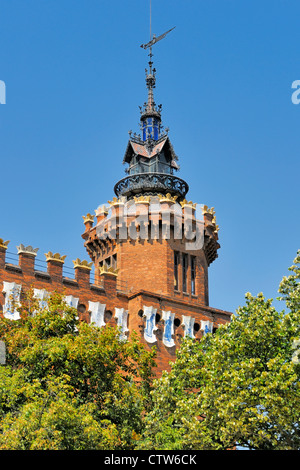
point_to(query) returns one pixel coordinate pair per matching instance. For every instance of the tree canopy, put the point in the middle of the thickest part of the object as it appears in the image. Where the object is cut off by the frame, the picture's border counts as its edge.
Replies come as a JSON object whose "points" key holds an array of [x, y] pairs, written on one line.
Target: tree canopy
{"points": [[239, 386], [69, 385]]}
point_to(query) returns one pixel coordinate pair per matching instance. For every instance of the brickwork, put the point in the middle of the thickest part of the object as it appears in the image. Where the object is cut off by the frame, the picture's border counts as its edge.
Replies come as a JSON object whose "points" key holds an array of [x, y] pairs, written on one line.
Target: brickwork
{"points": [[144, 268], [25, 274], [143, 278]]}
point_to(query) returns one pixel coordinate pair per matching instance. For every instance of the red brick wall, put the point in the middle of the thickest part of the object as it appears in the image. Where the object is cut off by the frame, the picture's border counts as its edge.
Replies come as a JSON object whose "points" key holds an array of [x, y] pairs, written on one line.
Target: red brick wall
{"points": [[25, 273], [144, 277]]}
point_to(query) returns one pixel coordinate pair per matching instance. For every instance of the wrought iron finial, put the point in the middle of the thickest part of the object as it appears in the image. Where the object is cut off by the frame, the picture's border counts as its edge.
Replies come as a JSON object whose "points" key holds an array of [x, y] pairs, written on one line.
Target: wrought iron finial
{"points": [[150, 74], [155, 39], [149, 46]]}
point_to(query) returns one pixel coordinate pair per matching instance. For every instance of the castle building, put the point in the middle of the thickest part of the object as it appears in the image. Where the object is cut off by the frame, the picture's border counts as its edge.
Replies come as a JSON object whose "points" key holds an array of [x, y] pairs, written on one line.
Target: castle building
{"points": [[148, 248]]}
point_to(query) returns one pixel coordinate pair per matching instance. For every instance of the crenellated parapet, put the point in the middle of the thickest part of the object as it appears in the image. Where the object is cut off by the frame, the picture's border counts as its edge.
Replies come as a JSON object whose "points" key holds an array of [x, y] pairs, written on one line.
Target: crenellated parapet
{"points": [[22, 271], [133, 218], [27, 266], [133, 235], [161, 320]]}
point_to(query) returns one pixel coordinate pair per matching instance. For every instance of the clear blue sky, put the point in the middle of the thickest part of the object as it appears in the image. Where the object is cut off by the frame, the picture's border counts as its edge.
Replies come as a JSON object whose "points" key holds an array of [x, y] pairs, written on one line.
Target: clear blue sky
{"points": [[74, 74]]}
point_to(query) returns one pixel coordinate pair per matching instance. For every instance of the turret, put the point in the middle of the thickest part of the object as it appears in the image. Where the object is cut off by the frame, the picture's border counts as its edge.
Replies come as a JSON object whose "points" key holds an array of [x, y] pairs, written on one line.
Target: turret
{"points": [[150, 156]]}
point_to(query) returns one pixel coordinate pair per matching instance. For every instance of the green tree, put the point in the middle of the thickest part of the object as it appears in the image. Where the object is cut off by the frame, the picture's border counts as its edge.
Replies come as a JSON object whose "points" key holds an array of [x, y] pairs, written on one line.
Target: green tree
{"points": [[239, 386], [70, 385]]}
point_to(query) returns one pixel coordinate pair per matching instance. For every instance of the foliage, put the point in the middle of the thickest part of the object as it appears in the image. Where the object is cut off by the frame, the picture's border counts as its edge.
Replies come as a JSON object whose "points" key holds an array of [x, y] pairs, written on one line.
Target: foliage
{"points": [[238, 386], [69, 385]]}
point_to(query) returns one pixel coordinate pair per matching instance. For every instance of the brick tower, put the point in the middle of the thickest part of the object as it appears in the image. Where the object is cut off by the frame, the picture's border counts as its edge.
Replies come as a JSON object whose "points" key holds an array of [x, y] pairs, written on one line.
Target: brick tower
{"points": [[150, 240], [149, 248]]}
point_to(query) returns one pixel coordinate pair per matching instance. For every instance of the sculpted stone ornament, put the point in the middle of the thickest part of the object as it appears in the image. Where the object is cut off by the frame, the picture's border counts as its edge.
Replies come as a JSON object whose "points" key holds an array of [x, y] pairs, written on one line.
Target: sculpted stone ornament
{"points": [[206, 210], [27, 250], [186, 203], [167, 198], [214, 222], [117, 201], [55, 257], [88, 218], [101, 210], [4, 244], [206, 326], [122, 317], [168, 335], [42, 296], [150, 313], [97, 313], [142, 199], [82, 264], [188, 325], [12, 300], [105, 270], [71, 301]]}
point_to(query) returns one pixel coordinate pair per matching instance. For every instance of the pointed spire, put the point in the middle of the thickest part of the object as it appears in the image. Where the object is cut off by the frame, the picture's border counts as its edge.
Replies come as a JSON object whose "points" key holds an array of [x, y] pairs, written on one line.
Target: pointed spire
{"points": [[150, 113], [150, 82], [150, 106]]}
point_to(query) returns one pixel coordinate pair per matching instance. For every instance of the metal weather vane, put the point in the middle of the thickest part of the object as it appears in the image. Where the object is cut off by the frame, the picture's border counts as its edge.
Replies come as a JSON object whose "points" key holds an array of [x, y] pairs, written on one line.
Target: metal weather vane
{"points": [[153, 38], [156, 39], [150, 109]]}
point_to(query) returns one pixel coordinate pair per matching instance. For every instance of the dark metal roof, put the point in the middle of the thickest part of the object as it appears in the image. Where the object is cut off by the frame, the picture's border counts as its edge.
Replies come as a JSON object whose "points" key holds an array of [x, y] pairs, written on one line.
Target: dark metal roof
{"points": [[142, 148]]}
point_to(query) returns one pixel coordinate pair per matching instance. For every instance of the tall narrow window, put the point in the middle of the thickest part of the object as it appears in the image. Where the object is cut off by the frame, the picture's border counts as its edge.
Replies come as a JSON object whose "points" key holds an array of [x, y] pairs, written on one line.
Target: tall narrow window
{"points": [[176, 264], [193, 275], [184, 271]]}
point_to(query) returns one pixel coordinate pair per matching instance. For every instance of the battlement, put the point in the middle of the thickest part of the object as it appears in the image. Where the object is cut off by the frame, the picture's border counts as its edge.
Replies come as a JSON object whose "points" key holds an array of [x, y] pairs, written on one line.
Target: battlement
{"points": [[152, 218], [52, 268], [26, 270], [102, 296]]}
